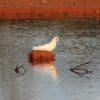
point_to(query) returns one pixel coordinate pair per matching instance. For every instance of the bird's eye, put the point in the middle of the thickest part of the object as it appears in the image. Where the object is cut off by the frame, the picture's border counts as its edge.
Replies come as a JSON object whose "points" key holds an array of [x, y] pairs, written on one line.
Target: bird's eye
{"points": [[57, 39]]}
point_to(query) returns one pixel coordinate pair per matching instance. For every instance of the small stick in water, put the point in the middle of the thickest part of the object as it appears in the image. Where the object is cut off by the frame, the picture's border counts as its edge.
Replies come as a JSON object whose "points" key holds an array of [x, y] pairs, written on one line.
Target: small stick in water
{"points": [[78, 70], [20, 70]]}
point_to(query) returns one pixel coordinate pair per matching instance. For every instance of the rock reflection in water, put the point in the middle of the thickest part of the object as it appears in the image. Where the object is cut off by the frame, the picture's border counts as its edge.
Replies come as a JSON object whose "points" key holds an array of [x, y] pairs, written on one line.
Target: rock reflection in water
{"points": [[47, 83], [48, 69]]}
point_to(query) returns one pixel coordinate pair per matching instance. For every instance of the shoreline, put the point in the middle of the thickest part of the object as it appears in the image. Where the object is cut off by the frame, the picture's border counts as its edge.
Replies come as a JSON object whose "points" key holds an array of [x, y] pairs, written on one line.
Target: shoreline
{"points": [[49, 13]]}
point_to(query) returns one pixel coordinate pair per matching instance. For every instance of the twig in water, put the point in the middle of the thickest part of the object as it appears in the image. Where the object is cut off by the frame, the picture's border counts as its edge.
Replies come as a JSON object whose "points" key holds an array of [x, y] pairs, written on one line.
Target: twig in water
{"points": [[78, 66], [78, 70], [20, 70]]}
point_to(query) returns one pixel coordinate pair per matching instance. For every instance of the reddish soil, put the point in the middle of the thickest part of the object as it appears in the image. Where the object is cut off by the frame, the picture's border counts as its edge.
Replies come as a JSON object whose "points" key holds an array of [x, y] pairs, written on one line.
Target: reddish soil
{"points": [[47, 9]]}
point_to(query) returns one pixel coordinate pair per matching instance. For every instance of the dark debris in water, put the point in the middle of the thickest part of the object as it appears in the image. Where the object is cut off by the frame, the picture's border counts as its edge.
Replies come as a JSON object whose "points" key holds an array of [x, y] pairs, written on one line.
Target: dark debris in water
{"points": [[20, 70], [78, 70]]}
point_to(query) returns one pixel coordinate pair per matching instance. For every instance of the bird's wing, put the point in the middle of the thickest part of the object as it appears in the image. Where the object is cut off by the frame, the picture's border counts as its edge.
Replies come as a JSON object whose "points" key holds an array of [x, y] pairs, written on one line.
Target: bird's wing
{"points": [[42, 47]]}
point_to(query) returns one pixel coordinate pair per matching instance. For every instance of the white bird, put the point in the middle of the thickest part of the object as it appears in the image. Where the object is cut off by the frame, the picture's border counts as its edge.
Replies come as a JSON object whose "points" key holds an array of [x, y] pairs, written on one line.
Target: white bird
{"points": [[48, 47]]}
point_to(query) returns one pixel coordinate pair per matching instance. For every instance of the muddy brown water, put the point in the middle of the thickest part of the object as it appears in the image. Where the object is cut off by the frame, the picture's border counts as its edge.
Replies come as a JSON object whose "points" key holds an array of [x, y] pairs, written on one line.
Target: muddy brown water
{"points": [[79, 43]]}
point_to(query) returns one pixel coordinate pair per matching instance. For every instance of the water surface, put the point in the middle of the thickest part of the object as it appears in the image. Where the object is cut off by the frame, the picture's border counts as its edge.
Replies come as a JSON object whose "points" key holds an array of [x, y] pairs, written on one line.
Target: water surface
{"points": [[79, 43]]}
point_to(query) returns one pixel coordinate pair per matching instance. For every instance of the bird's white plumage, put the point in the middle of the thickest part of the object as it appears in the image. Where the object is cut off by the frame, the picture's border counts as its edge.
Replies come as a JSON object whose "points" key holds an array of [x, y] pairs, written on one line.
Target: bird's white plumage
{"points": [[49, 46]]}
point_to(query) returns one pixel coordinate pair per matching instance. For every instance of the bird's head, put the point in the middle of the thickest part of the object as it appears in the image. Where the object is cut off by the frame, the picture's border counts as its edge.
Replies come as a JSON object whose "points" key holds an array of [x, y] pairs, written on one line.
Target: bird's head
{"points": [[56, 39]]}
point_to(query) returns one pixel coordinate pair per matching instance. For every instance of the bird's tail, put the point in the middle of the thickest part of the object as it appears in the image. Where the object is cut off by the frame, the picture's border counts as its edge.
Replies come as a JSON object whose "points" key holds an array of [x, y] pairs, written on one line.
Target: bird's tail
{"points": [[33, 48]]}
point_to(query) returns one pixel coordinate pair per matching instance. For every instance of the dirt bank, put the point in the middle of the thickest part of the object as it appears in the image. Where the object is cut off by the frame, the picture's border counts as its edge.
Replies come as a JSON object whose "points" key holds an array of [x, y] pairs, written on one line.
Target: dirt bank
{"points": [[45, 9]]}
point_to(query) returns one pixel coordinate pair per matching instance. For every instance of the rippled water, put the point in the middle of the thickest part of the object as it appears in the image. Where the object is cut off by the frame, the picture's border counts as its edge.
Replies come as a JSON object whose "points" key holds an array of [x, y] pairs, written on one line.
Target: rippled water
{"points": [[79, 43]]}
